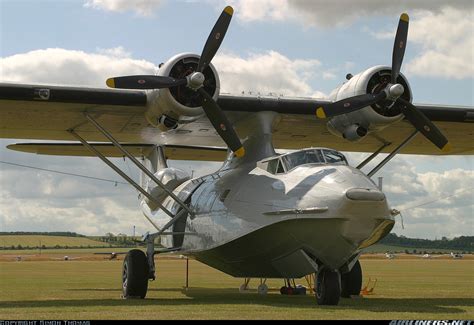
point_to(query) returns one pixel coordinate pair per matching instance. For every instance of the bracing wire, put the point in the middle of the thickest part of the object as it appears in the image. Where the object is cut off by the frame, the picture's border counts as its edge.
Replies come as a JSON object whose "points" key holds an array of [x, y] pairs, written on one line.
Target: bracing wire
{"points": [[438, 199], [63, 173], [430, 202]]}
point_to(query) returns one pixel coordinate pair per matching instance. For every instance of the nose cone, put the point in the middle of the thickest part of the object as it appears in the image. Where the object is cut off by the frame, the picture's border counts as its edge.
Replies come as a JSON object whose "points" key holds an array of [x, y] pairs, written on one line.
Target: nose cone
{"points": [[351, 196]]}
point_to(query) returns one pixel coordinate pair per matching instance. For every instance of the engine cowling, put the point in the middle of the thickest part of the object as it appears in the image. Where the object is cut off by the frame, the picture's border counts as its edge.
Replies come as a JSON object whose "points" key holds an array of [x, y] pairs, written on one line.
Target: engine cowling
{"points": [[168, 108], [356, 125], [171, 178]]}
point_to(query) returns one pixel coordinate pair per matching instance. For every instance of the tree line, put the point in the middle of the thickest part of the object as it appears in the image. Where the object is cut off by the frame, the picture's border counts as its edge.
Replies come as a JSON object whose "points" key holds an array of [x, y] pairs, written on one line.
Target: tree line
{"points": [[464, 243], [54, 233]]}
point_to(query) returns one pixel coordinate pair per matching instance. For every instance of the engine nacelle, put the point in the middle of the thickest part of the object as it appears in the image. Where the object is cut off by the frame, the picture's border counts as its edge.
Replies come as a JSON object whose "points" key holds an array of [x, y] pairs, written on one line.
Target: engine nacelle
{"points": [[168, 108], [171, 178], [356, 125]]}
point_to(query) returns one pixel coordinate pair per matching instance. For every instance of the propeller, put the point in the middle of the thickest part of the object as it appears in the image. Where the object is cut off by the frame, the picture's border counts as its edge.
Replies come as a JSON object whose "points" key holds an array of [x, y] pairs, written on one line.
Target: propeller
{"points": [[195, 82], [392, 92]]}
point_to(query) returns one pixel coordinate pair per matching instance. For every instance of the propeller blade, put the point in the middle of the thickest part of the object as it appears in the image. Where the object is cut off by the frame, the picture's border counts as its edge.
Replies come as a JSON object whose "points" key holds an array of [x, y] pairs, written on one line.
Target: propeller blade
{"points": [[399, 46], [144, 82], [424, 125], [215, 38], [349, 105], [221, 124]]}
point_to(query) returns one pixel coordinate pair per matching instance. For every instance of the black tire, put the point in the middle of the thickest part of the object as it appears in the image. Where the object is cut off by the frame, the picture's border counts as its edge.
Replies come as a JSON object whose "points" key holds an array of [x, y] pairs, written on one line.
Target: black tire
{"points": [[328, 287], [351, 282], [135, 275]]}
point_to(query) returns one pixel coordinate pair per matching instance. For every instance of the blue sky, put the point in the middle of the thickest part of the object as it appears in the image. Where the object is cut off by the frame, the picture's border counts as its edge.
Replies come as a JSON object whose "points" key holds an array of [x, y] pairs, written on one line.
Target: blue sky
{"points": [[312, 49]]}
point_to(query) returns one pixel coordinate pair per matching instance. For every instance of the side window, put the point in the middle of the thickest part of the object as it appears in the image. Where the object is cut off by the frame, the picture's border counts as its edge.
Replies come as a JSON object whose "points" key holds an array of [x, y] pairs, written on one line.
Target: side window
{"points": [[272, 166], [334, 157], [280, 169]]}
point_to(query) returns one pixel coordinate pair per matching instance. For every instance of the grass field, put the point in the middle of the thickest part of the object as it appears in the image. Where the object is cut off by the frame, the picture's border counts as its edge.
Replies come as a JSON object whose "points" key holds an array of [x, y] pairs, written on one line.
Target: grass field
{"points": [[406, 289], [48, 241]]}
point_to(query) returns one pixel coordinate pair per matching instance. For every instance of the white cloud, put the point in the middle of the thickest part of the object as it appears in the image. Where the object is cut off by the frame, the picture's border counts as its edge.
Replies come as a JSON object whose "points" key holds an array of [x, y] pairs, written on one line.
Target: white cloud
{"points": [[269, 72], [443, 31], [447, 42], [61, 66], [141, 7], [328, 13], [254, 10], [116, 52], [263, 72]]}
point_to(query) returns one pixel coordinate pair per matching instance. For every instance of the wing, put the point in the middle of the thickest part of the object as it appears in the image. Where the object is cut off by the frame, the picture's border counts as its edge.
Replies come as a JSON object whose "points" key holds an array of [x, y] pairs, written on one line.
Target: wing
{"points": [[47, 112], [172, 152]]}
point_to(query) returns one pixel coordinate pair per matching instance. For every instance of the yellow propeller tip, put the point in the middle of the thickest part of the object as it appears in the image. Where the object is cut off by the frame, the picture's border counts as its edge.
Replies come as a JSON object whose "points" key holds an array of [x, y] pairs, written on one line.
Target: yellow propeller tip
{"points": [[240, 153], [229, 10], [110, 82], [405, 17], [320, 113], [447, 147]]}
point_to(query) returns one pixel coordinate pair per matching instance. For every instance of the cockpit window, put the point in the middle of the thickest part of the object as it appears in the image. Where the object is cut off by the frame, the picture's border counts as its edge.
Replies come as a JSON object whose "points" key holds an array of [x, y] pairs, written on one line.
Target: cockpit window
{"points": [[299, 158], [334, 157], [290, 161], [275, 167]]}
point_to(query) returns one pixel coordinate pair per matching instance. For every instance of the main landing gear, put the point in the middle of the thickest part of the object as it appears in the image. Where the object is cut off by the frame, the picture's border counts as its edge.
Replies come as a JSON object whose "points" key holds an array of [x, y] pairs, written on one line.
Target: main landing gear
{"points": [[135, 274], [351, 282], [328, 287]]}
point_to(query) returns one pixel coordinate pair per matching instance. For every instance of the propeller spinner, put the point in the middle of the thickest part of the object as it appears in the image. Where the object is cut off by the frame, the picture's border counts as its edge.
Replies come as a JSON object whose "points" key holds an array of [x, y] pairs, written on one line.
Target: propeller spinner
{"points": [[195, 81], [392, 92]]}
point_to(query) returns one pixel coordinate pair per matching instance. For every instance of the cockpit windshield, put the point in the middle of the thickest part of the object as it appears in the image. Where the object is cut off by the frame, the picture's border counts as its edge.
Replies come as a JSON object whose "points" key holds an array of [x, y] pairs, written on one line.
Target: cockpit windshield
{"points": [[302, 158], [286, 163]]}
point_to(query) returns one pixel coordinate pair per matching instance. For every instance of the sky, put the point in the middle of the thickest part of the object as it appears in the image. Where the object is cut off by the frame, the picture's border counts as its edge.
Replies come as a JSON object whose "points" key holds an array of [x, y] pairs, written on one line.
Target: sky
{"points": [[291, 47]]}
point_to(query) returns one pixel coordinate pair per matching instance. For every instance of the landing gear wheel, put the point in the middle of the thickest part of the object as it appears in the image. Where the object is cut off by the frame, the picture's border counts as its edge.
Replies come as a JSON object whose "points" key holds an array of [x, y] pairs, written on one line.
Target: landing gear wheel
{"points": [[351, 282], [328, 288], [262, 289], [135, 275]]}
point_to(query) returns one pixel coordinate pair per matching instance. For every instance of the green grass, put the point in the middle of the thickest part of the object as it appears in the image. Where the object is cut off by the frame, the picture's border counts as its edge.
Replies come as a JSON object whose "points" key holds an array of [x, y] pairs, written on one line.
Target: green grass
{"points": [[48, 241], [406, 289]]}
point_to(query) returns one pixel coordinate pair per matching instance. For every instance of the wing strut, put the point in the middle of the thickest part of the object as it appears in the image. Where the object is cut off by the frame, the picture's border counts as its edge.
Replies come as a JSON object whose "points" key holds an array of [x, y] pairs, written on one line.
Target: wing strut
{"points": [[372, 156], [138, 164], [121, 173], [393, 154]]}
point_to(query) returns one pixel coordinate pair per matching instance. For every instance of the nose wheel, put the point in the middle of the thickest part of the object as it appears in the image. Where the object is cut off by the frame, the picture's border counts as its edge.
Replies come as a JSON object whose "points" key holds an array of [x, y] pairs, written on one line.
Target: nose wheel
{"points": [[328, 287]]}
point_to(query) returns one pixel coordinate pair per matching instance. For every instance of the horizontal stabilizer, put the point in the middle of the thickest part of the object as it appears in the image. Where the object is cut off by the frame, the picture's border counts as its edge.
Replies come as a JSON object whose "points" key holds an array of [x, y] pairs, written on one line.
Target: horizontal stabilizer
{"points": [[173, 152]]}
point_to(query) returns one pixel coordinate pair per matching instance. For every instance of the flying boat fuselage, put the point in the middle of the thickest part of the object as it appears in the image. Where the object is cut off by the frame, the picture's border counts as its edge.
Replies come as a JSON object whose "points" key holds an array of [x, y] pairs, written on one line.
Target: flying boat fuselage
{"points": [[278, 217]]}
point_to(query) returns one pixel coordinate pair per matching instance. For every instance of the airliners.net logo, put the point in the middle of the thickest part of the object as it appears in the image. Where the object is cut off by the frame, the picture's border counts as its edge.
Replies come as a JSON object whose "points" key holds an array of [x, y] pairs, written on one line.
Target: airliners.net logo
{"points": [[431, 322]]}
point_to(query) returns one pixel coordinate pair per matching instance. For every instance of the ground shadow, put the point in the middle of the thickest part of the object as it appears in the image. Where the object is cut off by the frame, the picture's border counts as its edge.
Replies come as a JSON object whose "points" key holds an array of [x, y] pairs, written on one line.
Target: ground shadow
{"points": [[206, 296]]}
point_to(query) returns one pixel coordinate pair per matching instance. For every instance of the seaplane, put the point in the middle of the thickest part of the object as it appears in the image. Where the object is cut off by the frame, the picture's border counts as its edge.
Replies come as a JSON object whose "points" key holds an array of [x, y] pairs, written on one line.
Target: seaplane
{"points": [[285, 203]]}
